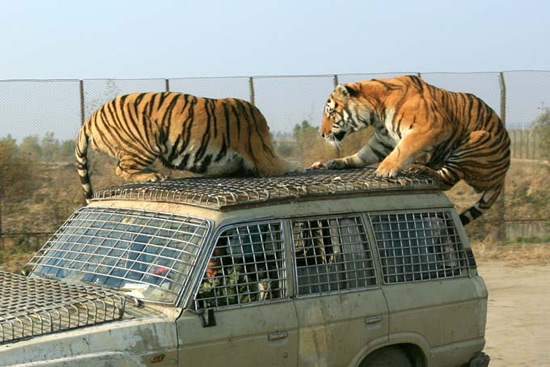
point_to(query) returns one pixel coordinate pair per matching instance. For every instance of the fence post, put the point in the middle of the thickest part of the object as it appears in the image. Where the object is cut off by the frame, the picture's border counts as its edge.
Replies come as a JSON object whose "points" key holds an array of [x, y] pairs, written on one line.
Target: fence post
{"points": [[501, 202], [251, 87], [1, 202], [168, 85], [82, 112], [335, 80], [502, 98]]}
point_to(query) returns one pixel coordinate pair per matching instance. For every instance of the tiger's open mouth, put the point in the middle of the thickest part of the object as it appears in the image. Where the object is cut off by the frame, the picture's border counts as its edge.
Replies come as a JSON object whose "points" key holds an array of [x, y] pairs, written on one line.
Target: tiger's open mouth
{"points": [[334, 139], [339, 135]]}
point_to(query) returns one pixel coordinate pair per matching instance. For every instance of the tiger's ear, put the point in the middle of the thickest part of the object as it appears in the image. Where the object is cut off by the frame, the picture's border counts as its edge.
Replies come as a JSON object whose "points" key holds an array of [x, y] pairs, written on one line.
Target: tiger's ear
{"points": [[344, 92]]}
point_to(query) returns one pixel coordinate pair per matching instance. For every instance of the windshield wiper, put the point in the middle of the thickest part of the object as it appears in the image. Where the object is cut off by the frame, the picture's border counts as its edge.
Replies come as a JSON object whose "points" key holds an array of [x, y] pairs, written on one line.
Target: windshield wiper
{"points": [[45, 276]]}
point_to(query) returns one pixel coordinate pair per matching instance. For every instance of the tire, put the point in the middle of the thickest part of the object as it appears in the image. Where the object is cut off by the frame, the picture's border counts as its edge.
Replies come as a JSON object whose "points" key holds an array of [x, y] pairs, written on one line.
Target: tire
{"points": [[387, 357], [480, 360]]}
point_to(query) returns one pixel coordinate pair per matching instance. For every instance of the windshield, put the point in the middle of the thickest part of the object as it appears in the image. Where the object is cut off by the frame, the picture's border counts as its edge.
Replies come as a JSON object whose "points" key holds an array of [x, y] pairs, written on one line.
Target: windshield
{"points": [[146, 254]]}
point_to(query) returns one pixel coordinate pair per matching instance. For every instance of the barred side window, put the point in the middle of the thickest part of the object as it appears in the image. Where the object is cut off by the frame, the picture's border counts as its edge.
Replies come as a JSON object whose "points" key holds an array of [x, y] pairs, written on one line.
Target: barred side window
{"points": [[332, 254], [419, 246], [248, 265]]}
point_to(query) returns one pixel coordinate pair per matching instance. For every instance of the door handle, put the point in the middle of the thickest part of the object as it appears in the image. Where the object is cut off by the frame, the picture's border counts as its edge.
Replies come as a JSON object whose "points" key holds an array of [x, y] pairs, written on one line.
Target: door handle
{"points": [[277, 335], [373, 319]]}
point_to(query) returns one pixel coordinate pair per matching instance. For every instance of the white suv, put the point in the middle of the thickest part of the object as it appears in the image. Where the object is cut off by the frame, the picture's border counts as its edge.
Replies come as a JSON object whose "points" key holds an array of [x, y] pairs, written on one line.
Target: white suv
{"points": [[322, 268]]}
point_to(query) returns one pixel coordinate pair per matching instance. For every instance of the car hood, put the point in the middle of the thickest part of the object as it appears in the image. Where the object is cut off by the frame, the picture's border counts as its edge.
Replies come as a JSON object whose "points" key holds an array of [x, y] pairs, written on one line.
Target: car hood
{"points": [[31, 307]]}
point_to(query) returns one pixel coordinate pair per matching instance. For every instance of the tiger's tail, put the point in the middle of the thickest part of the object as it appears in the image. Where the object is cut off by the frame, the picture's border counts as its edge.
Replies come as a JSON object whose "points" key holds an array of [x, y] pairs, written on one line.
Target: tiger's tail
{"points": [[487, 199], [81, 153]]}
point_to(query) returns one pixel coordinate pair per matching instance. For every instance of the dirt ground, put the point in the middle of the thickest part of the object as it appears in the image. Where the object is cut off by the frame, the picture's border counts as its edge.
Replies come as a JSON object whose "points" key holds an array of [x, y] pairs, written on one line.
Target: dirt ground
{"points": [[518, 320]]}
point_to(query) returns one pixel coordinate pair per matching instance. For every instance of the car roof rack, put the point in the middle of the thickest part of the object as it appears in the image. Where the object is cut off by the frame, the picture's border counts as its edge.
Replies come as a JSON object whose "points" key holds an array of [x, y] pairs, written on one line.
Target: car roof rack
{"points": [[232, 192]]}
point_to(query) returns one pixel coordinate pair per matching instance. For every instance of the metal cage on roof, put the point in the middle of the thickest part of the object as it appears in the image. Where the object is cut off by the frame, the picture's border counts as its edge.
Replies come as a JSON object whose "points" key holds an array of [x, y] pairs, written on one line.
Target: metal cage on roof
{"points": [[224, 193]]}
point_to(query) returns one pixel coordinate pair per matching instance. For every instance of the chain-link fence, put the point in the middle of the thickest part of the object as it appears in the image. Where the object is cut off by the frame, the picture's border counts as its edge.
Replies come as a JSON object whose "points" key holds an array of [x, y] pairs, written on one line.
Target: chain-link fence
{"points": [[36, 107], [58, 107]]}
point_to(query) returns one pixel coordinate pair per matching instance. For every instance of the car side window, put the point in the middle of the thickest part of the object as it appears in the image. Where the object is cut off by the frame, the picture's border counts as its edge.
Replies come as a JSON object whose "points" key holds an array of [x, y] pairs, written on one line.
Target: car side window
{"points": [[418, 246], [331, 254], [247, 265]]}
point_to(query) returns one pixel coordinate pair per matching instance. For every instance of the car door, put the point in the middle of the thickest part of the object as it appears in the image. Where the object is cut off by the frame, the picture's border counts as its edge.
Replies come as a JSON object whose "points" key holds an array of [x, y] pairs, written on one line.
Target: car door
{"points": [[244, 289], [427, 281], [340, 306]]}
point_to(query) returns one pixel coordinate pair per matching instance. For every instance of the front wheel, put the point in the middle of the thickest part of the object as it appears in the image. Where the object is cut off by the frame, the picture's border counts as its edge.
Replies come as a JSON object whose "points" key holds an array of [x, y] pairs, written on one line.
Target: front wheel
{"points": [[387, 357]]}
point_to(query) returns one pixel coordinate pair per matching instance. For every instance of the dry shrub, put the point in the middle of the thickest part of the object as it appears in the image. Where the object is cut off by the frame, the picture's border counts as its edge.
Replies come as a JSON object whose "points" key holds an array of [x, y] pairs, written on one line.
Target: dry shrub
{"points": [[314, 148], [352, 143], [526, 196], [528, 191], [15, 253]]}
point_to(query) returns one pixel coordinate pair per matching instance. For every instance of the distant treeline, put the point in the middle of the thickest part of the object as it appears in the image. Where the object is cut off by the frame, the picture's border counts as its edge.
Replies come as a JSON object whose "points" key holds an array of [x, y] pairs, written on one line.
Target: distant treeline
{"points": [[47, 147]]}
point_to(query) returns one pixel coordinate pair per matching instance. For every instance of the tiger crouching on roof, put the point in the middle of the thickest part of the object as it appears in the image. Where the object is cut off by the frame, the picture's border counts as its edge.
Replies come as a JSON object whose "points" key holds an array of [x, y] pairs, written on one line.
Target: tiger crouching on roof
{"points": [[215, 137], [455, 135]]}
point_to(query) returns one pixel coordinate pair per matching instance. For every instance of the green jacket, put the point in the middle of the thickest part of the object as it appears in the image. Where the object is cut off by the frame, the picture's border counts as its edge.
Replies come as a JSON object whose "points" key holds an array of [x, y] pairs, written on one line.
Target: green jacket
{"points": [[226, 288]]}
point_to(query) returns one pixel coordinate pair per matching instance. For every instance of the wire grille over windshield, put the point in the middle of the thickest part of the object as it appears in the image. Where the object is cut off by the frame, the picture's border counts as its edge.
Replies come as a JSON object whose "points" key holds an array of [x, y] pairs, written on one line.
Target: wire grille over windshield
{"points": [[133, 250]]}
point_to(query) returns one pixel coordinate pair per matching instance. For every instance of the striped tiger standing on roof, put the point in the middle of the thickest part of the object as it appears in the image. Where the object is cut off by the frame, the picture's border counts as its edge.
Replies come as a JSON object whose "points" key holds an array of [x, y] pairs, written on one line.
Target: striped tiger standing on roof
{"points": [[456, 135], [215, 137]]}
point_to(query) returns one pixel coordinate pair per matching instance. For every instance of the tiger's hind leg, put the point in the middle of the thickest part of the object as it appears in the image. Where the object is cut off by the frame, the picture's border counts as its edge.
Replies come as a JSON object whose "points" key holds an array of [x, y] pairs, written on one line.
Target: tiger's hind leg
{"points": [[132, 169], [459, 165], [447, 176]]}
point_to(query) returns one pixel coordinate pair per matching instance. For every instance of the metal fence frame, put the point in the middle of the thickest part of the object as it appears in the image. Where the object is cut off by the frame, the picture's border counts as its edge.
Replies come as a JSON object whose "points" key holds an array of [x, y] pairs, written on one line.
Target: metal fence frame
{"points": [[524, 143], [251, 79]]}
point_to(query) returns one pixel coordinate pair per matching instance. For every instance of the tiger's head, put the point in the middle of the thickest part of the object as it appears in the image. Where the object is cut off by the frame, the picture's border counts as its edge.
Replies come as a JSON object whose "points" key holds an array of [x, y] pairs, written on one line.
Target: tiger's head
{"points": [[345, 113]]}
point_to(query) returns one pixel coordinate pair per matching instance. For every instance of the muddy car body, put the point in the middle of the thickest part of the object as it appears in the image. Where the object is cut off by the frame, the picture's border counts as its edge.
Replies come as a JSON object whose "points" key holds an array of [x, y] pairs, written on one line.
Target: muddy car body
{"points": [[315, 269]]}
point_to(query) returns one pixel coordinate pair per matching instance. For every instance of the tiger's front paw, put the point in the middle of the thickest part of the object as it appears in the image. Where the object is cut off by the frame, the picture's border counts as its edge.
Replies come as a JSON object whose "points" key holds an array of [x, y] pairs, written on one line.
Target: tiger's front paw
{"points": [[331, 164], [154, 177], [419, 169], [335, 164], [317, 165], [387, 169], [149, 177]]}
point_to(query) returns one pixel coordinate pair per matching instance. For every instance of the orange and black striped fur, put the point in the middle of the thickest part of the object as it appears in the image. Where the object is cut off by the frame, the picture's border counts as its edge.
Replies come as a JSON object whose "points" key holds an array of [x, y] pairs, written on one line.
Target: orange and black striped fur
{"points": [[456, 135], [215, 137]]}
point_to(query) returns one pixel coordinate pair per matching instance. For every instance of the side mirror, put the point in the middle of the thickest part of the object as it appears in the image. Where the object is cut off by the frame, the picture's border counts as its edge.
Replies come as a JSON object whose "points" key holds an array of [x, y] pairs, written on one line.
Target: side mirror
{"points": [[207, 320]]}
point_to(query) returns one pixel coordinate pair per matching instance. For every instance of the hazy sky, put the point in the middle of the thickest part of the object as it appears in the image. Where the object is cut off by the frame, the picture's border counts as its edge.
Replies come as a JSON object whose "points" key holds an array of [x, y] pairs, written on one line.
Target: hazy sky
{"points": [[74, 39], [135, 39]]}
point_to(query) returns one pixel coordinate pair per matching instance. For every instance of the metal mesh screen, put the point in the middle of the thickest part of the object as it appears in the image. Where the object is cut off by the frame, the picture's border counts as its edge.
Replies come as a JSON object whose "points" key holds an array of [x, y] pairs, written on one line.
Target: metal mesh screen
{"points": [[355, 77], [331, 254], [248, 265], [418, 246], [34, 108], [526, 97], [44, 116], [237, 87], [100, 91], [284, 100], [146, 253], [219, 193], [287, 101], [30, 306], [483, 85]]}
